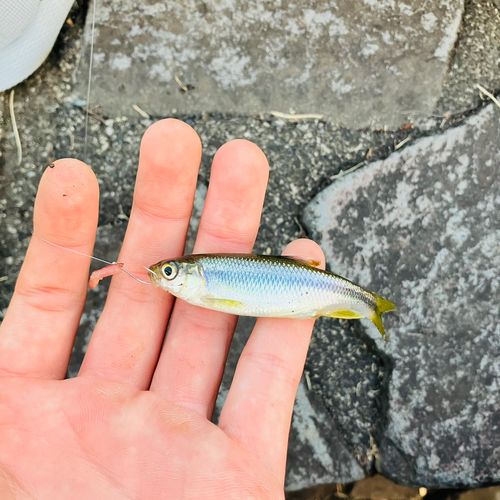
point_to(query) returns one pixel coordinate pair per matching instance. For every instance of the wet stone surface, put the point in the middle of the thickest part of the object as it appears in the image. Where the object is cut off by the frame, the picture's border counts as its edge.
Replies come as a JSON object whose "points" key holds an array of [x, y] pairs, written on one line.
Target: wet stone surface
{"points": [[422, 229], [319, 452]]}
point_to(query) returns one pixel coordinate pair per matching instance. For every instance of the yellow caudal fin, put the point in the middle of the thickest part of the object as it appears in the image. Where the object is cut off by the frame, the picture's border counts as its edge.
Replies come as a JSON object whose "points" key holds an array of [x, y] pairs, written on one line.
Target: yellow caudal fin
{"points": [[382, 307]]}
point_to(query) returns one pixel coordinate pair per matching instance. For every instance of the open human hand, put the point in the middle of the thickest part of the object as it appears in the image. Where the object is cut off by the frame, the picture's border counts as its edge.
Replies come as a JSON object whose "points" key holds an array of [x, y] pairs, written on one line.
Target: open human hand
{"points": [[135, 422]]}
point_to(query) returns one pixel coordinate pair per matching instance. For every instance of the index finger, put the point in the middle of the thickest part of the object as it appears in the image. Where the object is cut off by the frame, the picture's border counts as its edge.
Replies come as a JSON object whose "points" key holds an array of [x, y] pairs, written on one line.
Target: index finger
{"points": [[38, 331]]}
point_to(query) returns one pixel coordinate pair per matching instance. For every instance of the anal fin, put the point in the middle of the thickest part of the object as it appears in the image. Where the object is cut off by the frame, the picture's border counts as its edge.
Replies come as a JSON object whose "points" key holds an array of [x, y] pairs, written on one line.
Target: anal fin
{"points": [[345, 314]]}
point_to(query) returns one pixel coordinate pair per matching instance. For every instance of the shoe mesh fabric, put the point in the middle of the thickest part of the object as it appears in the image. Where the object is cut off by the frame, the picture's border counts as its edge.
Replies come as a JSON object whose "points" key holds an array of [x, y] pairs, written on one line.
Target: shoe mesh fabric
{"points": [[32, 26], [15, 17]]}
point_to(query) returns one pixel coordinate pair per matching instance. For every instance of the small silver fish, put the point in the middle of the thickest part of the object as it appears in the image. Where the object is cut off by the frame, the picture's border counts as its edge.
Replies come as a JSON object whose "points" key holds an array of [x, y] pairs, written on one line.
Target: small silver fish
{"points": [[267, 286]]}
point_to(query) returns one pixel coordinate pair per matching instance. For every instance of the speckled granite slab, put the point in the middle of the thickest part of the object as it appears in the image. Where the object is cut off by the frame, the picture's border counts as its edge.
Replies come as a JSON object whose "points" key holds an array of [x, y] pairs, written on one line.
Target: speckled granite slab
{"points": [[422, 228]]}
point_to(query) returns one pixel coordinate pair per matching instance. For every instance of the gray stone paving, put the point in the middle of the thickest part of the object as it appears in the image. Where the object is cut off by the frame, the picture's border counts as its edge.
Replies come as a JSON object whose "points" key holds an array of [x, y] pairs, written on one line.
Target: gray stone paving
{"points": [[334, 431], [360, 63]]}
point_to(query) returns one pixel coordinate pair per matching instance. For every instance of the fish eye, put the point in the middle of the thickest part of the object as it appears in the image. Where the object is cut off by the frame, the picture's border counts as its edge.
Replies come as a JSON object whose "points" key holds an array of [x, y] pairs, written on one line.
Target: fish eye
{"points": [[170, 271]]}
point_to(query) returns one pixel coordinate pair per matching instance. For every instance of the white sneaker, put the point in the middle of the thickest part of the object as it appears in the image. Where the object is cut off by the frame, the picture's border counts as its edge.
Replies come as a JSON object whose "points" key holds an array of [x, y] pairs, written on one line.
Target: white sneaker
{"points": [[28, 31]]}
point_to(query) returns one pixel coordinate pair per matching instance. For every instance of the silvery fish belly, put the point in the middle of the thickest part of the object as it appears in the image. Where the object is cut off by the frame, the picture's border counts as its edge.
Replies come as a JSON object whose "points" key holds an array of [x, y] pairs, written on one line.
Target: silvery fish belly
{"points": [[266, 286]]}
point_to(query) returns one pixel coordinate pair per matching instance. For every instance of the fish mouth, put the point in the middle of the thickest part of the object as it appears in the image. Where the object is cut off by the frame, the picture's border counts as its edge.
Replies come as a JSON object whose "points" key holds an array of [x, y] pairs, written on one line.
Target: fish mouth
{"points": [[153, 276]]}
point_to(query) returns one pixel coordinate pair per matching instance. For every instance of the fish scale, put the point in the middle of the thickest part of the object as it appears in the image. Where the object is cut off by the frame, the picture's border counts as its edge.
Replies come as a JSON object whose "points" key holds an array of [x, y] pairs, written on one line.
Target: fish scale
{"points": [[266, 286], [251, 276]]}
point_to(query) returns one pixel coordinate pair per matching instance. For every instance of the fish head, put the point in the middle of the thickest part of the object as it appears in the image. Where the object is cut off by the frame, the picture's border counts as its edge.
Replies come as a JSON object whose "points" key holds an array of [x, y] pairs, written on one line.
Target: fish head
{"points": [[182, 279]]}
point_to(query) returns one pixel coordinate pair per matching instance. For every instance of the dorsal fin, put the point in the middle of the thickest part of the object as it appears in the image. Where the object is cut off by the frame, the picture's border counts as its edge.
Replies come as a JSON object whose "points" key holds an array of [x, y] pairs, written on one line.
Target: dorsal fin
{"points": [[304, 260]]}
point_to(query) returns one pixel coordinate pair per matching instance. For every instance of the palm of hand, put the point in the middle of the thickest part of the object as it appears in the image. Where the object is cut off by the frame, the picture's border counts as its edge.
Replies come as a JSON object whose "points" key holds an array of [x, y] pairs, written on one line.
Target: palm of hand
{"points": [[135, 423], [87, 439]]}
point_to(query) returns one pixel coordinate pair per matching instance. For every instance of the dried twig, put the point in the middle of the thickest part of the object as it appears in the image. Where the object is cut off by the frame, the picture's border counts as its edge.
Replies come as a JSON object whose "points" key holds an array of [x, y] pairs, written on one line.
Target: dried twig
{"points": [[302, 232], [93, 114], [181, 85], [308, 380], [402, 143], [348, 171], [122, 215], [141, 111], [489, 94], [14, 128], [295, 118]]}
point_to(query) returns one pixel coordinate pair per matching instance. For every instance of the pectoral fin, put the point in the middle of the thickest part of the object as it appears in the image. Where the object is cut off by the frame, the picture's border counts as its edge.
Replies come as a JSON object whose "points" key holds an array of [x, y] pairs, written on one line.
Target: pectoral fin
{"points": [[344, 315], [225, 303]]}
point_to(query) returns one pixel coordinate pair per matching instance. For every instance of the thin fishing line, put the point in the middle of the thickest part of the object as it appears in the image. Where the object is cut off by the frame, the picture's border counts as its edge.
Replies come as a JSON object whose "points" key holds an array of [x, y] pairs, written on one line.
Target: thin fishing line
{"points": [[95, 258], [74, 251], [92, 31]]}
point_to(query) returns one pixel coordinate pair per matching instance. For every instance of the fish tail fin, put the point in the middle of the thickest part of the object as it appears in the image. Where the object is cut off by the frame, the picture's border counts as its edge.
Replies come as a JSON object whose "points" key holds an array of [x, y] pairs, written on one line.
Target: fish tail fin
{"points": [[382, 307]]}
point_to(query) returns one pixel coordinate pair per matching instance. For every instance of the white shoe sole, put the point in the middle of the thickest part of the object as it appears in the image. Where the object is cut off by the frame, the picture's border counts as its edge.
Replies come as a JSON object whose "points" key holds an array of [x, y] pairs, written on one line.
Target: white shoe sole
{"points": [[23, 55]]}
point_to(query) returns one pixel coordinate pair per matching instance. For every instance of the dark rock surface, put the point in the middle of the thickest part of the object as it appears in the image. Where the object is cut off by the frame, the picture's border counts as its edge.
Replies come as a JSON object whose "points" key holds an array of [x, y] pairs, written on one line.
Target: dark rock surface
{"points": [[360, 63], [351, 376], [317, 451], [422, 229], [475, 59]]}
